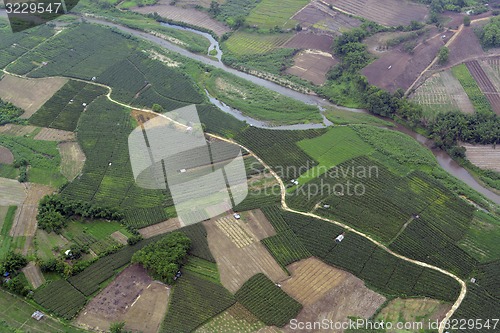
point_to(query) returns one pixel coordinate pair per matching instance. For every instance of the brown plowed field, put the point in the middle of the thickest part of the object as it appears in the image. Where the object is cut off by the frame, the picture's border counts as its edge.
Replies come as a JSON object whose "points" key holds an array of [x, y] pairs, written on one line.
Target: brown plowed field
{"points": [[25, 219], [34, 275], [328, 293], [484, 156], [6, 156], [160, 228], [317, 16], [405, 68], [238, 252], [385, 12], [312, 66], [187, 15], [51, 134], [29, 94], [310, 41], [119, 237], [258, 224], [133, 297], [485, 84], [466, 46]]}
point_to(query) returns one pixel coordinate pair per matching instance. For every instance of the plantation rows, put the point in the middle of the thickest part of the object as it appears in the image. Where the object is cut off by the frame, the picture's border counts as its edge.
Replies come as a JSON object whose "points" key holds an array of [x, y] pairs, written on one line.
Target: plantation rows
{"points": [[193, 301], [199, 244], [361, 257], [267, 301], [255, 200], [381, 204], [142, 217], [489, 277], [279, 149], [218, 122], [478, 99], [107, 175], [61, 298], [63, 110]]}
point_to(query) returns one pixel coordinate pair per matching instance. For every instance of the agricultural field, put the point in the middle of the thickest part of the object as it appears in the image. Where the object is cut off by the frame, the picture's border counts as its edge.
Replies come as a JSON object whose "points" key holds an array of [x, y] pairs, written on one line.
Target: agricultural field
{"points": [[268, 14], [16, 313], [414, 310], [267, 301], [47, 242], [310, 41], [385, 12], [485, 84], [245, 43], [29, 94], [343, 117], [132, 297], [318, 17], [193, 301], [312, 66], [235, 319], [63, 110], [442, 92], [479, 100], [238, 252], [160, 228], [17, 130], [61, 298], [481, 239], [51, 134], [6, 156], [190, 16], [33, 275], [7, 214], [72, 159], [483, 156], [323, 289], [12, 193], [258, 102]]}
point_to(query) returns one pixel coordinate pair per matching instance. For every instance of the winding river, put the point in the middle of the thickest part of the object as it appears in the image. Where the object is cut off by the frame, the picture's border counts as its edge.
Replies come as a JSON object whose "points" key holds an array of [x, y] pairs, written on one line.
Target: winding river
{"points": [[445, 161]]}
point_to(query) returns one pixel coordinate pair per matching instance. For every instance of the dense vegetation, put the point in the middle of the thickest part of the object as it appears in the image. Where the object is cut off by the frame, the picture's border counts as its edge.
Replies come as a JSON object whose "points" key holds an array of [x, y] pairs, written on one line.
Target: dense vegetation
{"points": [[490, 33], [9, 113], [61, 298], [164, 257], [267, 301]]}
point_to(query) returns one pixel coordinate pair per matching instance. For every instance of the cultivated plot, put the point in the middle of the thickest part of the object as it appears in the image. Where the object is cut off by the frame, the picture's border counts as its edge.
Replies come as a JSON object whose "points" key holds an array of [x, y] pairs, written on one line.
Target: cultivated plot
{"points": [[311, 41], [12, 192], [6, 156], [238, 253], [312, 66], [385, 12], [72, 159], [160, 228], [484, 156], [51, 134], [29, 94], [323, 291]]}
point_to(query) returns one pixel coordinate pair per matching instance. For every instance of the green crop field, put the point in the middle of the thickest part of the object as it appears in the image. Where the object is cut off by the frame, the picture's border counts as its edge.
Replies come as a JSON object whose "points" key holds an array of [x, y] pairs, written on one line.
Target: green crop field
{"points": [[338, 145], [244, 43], [202, 268], [267, 301], [257, 102], [194, 300], [43, 158], [478, 99], [481, 240], [61, 298], [269, 13], [5, 226], [63, 110]]}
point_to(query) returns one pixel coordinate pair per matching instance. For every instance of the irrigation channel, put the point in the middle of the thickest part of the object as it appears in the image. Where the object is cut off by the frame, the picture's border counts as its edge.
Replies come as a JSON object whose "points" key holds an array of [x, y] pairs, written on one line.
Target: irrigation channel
{"points": [[444, 160]]}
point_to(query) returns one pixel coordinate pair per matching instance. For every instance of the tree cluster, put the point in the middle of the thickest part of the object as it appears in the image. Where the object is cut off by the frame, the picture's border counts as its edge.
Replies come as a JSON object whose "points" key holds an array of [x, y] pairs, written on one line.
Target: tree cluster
{"points": [[490, 33], [54, 210], [9, 113], [164, 257]]}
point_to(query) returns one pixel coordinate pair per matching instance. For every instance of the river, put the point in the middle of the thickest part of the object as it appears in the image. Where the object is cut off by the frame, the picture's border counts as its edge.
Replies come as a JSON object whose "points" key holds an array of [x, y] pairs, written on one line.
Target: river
{"points": [[445, 161]]}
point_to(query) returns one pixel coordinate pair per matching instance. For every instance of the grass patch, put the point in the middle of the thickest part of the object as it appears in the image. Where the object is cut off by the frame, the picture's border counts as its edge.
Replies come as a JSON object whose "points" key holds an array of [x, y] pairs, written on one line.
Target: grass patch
{"points": [[269, 13], [343, 117], [6, 240], [258, 102], [478, 99]]}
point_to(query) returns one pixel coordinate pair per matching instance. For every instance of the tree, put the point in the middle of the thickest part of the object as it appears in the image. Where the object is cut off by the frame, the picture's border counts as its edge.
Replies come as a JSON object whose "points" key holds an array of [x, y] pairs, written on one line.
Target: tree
{"points": [[51, 220], [158, 108], [117, 327], [443, 55], [13, 262], [214, 8], [467, 20]]}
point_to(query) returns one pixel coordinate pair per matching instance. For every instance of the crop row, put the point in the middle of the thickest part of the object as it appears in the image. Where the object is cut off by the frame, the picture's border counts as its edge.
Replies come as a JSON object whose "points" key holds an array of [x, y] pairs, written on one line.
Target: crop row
{"points": [[194, 300], [61, 298], [478, 99], [267, 301]]}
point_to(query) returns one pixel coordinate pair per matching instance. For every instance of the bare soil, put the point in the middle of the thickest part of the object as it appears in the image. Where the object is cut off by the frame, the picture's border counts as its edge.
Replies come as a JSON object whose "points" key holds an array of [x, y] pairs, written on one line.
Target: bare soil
{"points": [[119, 237], [133, 297], [311, 41], [25, 220], [398, 69], [385, 12], [466, 46], [238, 252], [484, 156], [160, 228], [16, 130], [29, 94], [72, 159], [328, 293], [258, 224], [6, 156], [52, 134], [34, 275], [187, 15], [312, 66]]}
